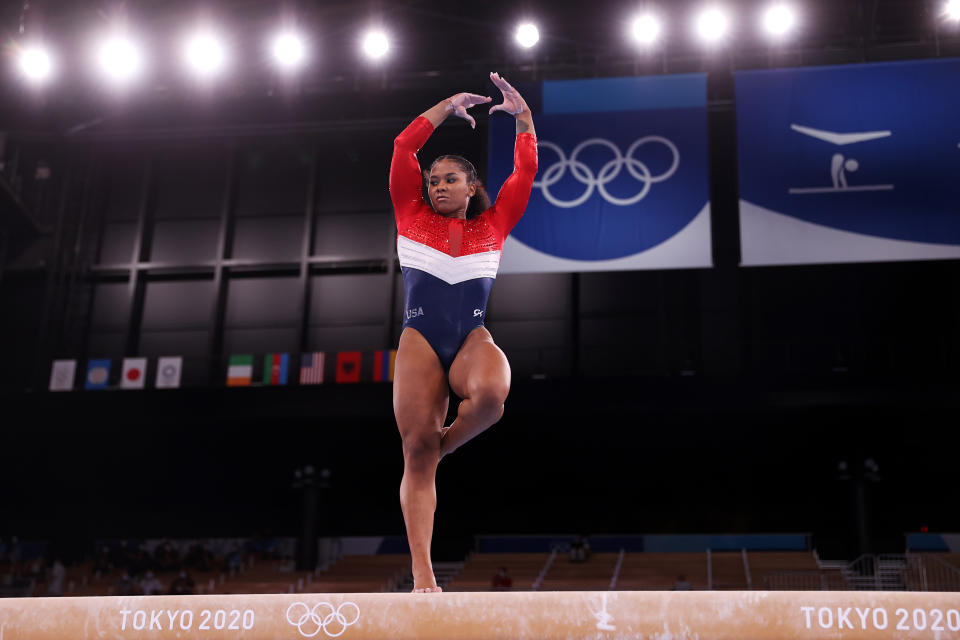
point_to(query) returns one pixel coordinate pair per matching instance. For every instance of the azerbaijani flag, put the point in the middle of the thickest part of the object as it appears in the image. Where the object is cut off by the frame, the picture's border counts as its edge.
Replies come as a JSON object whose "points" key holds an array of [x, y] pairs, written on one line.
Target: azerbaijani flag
{"points": [[275, 368], [383, 362], [240, 371]]}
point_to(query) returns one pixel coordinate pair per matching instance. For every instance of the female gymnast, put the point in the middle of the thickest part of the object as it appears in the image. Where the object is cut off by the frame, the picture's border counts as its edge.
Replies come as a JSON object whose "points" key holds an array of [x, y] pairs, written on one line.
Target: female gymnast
{"points": [[449, 250]]}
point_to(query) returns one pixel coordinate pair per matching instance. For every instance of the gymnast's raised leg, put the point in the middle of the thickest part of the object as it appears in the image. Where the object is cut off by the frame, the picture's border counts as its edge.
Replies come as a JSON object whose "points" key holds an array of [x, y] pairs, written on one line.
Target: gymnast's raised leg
{"points": [[480, 375]]}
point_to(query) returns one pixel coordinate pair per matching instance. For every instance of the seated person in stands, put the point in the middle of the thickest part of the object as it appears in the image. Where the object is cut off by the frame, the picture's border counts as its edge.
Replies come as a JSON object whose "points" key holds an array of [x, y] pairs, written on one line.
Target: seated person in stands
{"points": [[199, 557], [579, 549], [56, 576], [682, 584], [150, 584], [502, 580], [182, 585], [126, 586]]}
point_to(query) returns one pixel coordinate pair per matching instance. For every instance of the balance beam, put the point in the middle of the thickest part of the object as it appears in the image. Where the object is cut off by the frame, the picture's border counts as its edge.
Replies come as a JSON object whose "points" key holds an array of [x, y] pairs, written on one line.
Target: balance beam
{"points": [[680, 615]]}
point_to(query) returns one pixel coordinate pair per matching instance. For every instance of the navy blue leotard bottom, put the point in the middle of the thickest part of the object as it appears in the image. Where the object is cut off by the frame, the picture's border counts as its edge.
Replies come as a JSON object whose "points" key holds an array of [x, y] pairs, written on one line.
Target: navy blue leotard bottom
{"points": [[444, 313]]}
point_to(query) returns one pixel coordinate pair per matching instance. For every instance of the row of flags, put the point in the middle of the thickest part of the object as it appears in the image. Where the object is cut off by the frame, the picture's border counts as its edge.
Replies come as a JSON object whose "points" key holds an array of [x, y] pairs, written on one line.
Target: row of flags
{"points": [[134, 375], [243, 370]]}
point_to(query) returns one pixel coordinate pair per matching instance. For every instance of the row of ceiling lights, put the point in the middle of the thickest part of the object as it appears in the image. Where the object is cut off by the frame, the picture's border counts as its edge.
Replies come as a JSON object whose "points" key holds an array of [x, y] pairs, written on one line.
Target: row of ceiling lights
{"points": [[120, 60]]}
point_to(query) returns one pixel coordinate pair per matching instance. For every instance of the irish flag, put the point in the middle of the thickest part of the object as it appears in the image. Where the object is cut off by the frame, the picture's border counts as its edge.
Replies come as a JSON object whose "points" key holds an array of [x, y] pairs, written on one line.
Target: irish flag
{"points": [[275, 368], [240, 371]]}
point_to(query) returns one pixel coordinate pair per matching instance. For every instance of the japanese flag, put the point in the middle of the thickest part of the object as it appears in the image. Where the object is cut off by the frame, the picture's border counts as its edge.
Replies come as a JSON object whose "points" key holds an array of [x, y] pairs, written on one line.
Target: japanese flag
{"points": [[134, 373]]}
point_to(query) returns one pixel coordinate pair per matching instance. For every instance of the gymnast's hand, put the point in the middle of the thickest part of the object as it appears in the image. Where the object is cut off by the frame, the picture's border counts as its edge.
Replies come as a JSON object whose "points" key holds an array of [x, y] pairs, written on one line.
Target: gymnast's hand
{"points": [[513, 102], [463, 101]]}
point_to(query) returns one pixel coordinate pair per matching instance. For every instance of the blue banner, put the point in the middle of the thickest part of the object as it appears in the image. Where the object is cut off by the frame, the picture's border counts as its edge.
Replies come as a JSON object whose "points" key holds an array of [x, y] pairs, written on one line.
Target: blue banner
{"points": [[856, 163], [623, 180]]}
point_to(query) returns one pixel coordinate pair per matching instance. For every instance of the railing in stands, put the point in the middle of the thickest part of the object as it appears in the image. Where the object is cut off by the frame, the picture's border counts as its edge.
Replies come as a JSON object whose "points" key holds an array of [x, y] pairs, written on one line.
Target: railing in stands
{"points": [[616, 570], [884, 572], [746, 568], [709, 570], [543, 572]]}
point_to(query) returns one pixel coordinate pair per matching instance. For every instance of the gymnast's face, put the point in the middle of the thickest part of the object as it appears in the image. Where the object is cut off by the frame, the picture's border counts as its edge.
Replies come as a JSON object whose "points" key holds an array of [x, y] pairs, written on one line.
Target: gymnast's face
{"points": [[449, 189]]}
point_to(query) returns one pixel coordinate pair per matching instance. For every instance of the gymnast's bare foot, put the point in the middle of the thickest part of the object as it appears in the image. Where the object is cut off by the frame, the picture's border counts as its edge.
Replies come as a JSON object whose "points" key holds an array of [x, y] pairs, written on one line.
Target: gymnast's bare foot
{"points": [[427, 590]]}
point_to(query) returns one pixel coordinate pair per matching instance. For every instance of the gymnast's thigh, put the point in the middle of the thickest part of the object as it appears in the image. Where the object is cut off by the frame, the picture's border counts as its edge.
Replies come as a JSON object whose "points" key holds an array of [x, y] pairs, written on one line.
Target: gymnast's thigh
{"points": [[480, 368], [420, 390]]}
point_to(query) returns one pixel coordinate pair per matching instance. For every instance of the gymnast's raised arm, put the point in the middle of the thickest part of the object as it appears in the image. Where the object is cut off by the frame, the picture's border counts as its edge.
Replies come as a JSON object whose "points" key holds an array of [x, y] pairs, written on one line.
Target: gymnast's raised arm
{"points": [[406, 180], [515, 192]]}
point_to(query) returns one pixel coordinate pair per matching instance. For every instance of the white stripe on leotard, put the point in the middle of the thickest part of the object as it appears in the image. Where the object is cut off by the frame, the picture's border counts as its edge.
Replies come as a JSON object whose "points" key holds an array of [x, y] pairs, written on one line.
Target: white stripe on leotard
{"points": [[449, 269]]}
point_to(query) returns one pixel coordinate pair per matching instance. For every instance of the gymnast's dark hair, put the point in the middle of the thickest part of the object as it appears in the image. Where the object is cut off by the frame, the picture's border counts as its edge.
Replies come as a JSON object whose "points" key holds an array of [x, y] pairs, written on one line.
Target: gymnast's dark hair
{"points": [[480, 201]]}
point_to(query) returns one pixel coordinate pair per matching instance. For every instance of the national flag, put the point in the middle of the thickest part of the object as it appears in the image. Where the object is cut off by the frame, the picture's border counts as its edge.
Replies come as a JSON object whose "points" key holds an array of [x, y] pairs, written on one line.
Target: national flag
{"points": [[134, 373], [62, 375], [98, 374], [348, 366], [383, 362], [240, 371], [168, 372], [275, 368], [311, 367]]}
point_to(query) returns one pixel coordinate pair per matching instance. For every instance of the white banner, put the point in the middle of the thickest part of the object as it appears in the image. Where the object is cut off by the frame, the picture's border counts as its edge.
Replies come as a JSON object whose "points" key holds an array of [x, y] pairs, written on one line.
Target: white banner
{"points": [[168, 372], [62, 375]]}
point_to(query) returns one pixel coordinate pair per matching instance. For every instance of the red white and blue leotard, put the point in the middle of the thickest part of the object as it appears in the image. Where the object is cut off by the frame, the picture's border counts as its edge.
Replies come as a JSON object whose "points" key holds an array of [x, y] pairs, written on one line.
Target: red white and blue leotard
{"points": [[449, 264]]}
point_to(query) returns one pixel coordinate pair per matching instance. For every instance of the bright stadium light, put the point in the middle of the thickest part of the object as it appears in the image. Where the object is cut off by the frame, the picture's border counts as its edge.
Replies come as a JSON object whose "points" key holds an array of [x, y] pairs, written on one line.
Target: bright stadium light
{"points": [[289, 50], [712, 25], [376, 44], [527, 35], [645, 29], [205, 54], [35, 63], [779, 19], [952, 10], [119, 59]]}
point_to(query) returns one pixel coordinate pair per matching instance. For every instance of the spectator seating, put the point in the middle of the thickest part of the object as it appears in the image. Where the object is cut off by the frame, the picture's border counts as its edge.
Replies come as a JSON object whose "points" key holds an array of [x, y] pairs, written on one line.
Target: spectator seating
{"points": [[593, 574], [661, 570], [479, 569]]}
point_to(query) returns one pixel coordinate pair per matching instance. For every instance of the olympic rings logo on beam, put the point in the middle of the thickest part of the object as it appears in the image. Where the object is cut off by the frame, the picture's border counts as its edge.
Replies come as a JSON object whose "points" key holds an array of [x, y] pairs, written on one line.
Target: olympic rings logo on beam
{"points": [[310, 618], [583, 174]]}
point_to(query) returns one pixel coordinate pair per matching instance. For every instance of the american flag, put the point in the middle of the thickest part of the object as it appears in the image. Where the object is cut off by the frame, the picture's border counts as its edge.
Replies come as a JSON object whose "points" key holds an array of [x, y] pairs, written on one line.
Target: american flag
{"points": [[311, 368]]}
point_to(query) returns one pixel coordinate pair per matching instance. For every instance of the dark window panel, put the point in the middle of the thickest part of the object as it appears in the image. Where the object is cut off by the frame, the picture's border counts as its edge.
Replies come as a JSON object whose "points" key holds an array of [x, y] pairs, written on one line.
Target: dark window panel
{"points": [[353, 173], [531, 295], [622, 330], [118, 241], [104, 344], [348, 338], [530, 333], [178, 306], [269, 239], [190, 182], [111, 306], [185, 241], [260, 341], [262, 302], [273, 179], [361, 299], [399, 301], [353, 235], [125, 187], [154, 344], [620, 291]]}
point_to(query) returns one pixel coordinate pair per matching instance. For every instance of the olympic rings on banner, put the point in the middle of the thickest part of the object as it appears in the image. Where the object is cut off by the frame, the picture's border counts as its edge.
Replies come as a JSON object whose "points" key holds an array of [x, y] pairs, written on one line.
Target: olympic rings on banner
{"points": [[310, 618], [609, 172]]}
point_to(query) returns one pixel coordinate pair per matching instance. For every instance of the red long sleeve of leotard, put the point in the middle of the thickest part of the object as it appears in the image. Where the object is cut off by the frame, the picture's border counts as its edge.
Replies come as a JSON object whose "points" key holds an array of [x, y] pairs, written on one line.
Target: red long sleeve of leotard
{"points": [[406, 179], [515, 193]]}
